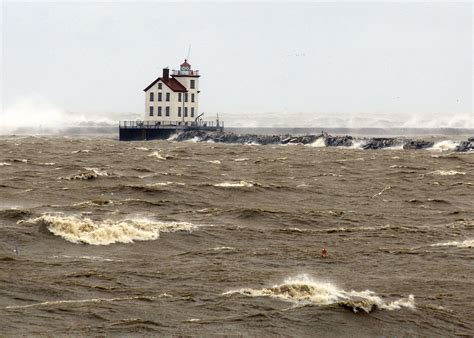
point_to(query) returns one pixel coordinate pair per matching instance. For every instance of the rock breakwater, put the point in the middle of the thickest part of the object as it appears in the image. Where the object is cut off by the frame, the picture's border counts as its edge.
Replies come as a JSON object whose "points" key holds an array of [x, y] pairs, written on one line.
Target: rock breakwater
{"points": [[329, 140]]}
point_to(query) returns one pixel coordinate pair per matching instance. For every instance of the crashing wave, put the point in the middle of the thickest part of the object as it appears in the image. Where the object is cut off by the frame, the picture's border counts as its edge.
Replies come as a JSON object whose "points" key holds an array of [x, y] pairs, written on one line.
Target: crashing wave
{"points": [[358, 144], [84, 230], [304, 290], [446, 145], [318, 143], [87, 174], [468, 243]]}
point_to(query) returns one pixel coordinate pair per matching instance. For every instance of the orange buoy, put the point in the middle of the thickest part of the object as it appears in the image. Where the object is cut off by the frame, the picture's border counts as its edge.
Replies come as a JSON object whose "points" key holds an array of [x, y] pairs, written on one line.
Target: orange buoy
{"points": [[324, 253]]}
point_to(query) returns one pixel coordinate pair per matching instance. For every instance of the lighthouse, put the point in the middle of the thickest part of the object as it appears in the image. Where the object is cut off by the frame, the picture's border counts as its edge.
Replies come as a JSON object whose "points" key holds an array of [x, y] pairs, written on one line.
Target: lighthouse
{"points": [[171, 106], [173, 98]]}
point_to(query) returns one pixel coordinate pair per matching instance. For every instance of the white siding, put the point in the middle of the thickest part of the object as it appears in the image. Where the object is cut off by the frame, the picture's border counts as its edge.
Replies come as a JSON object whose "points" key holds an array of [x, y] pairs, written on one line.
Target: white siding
{"points": [[173, 103]]}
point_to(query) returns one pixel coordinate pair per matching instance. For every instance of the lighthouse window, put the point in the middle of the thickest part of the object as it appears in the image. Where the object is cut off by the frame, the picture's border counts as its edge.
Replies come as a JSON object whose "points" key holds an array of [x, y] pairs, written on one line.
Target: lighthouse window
{"points": [[179, 111], [179, 97], [185, 111], [192, 84], [192, 111], [159, 86], [159, 96], [151, 96], [167, 111], [167, 97], [192, 97], [159, 111], [151, 110]]}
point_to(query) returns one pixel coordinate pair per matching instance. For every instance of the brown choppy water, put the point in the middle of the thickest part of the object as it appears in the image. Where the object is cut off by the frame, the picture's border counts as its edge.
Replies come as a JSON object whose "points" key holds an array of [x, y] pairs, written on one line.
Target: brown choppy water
{"points": [[197, 239]]}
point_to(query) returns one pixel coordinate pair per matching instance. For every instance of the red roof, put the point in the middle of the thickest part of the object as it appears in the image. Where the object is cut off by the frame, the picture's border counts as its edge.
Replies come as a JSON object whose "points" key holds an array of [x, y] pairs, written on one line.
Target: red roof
{"points": [[185, 64], [171, 82]]}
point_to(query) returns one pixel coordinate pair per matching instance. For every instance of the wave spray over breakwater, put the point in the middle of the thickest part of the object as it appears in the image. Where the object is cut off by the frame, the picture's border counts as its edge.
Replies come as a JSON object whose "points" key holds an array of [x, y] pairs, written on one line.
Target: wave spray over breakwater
{"points": [[158, 238]]}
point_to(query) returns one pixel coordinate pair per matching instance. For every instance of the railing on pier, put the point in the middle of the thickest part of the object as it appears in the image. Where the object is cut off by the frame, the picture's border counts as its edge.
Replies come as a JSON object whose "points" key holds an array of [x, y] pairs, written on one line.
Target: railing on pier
{"points": [[171, 124]]}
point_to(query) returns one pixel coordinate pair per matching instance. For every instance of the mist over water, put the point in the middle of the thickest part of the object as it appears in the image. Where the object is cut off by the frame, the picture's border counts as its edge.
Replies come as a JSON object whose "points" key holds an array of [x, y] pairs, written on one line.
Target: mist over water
{"points": [[38, 115]]}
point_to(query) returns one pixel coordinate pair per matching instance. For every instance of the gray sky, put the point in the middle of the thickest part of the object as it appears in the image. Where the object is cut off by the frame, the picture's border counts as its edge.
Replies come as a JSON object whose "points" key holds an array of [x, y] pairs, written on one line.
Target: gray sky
{"points": [[297, 62]]}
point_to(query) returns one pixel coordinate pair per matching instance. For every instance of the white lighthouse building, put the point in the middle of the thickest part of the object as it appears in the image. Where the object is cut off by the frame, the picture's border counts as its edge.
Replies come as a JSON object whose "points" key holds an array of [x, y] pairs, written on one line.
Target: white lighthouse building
{"points": [[173, 99]]}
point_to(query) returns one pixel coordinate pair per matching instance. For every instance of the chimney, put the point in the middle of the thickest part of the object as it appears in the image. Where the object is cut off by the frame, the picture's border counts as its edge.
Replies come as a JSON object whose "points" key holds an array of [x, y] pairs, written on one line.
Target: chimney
{"points": [[166, 73]]}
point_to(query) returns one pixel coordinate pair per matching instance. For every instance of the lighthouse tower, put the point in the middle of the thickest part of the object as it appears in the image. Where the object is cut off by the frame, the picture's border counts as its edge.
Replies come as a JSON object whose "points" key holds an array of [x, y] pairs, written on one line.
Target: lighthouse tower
{"points": [[173, 99], [189, 78]]}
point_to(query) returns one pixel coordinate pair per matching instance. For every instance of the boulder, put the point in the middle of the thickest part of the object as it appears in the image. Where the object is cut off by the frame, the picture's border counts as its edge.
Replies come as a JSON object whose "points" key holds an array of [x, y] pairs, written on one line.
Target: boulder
{"points": [[466, 145], [381, 142], [338, 141], [418, 144]]}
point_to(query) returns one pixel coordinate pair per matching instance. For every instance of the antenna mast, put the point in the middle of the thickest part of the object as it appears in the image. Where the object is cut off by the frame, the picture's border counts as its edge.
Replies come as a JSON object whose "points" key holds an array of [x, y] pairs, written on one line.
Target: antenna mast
{"points": [[189, 52]]}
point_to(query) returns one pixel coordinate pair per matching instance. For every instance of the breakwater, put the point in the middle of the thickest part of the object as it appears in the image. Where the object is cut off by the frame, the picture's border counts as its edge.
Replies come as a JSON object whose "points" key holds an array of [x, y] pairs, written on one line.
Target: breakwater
{"points": [[322, 139]]}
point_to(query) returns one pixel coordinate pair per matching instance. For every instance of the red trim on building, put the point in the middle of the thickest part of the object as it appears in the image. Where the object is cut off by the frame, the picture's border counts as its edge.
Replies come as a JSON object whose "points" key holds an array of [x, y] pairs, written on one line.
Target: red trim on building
{"points": [[172, 84], [185, 64]]}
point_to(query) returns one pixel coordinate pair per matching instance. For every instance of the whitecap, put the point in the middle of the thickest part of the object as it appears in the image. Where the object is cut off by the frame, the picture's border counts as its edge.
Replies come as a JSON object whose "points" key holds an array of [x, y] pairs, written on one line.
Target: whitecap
{"points": [[224, 248], [241, 159], [158, 156], [234, 184], [303, 290], [87, 174], [141, 148], [4, 164], [91, 258], [84, 230], [446, 172], [215, 162], [164, 184], [468, 243]]}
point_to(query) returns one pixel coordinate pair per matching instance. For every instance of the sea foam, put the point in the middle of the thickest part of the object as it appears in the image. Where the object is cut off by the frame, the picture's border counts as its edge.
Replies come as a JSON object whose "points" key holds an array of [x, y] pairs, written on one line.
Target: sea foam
{"points": [[303, 290], [85, 230]]}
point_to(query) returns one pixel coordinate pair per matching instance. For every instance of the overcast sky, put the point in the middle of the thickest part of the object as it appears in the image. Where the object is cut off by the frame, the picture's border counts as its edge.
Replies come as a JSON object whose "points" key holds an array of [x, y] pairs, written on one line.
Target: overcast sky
{"points": [[310, 59]]}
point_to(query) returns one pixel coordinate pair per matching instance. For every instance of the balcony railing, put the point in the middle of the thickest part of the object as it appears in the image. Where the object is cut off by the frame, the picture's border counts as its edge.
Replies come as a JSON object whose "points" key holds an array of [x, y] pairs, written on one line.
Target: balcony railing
{"points": [[171, 124], [185, 72]]}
